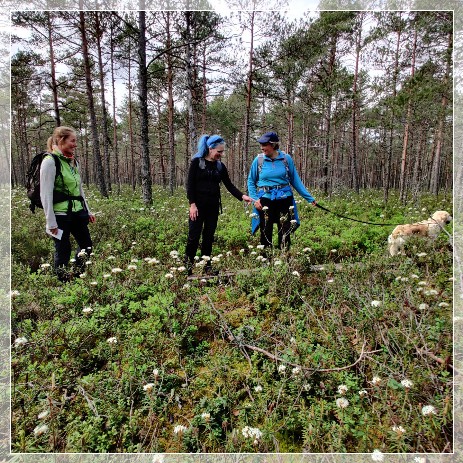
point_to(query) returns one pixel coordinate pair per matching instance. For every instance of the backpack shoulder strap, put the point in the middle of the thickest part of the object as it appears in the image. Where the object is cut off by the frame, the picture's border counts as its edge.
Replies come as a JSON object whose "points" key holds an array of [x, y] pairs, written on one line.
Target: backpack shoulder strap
{"points": [[219, 166], [202, 163]]}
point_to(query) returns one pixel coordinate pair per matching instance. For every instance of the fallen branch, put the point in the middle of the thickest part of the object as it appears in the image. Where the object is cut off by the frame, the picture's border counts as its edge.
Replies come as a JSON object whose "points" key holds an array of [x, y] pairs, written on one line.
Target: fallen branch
{"points": [[445, 362], [242, 345]]}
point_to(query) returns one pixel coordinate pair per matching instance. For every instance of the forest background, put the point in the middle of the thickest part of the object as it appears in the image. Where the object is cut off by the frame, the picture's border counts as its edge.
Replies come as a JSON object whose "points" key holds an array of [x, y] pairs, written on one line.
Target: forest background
{"points": [[361, 144]]}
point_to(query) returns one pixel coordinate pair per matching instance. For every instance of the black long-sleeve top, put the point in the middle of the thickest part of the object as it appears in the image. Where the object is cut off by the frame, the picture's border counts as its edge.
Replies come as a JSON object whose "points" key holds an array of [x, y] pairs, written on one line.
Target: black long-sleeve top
{"points": [[203, 185]]}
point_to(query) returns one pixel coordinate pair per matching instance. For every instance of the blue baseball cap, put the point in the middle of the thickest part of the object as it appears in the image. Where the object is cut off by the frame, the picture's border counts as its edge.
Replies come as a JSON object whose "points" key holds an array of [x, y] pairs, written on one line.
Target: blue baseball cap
{"points": [[269, 137]]}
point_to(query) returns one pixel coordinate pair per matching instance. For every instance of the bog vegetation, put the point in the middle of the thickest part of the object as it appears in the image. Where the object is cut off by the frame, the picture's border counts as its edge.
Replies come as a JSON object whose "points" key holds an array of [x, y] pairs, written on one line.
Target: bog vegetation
{"points": [[332, 347]]}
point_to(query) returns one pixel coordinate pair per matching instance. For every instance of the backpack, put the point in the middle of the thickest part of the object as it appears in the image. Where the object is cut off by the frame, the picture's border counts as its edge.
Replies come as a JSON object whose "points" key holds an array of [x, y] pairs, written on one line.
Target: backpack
{"points": [[202, 164], [33, 183], [260, 161]]}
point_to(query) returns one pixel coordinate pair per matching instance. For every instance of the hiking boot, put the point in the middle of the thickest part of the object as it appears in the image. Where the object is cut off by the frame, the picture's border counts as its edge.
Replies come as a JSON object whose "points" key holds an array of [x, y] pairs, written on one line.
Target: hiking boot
{"points": [[208, 270]]}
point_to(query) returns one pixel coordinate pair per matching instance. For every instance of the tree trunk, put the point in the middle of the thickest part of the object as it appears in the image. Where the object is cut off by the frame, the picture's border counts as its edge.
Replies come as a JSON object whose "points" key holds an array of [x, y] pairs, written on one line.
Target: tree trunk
{"points": [[91, 106], [54, 86], [435, 172], [403, 165], [104, 122], [146, 185], [115, 145], [247, 116], [170, 105]]}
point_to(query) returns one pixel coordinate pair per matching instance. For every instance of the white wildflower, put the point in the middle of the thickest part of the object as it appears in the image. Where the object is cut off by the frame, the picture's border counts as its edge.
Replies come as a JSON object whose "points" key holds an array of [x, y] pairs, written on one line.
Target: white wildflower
{"points": [[106, 275], [116, 270], [20, 341], [168, 275], [307, 250], [43, 415], [94, 283], [428, 410], [82, 275], [443, 304], [41, 429], [260, 246], [14, 293], [398, 429], [296, 370], [342, 389], [206, 416], [281, 368], [406, 383], [82, 253], [87, 310], [205, 258], [277, 262], [342, 402], [186, 286], [45, 266], [334, 251], [181, 269], [112, 340], [414, 276], [376, 380], [131, 267], [431, 292], [216, 259], [293, 221], [251, 433], [296, 273], [258, 388], [363, 393], [265, 208], [155, 372], [180, 429], [375, 303], [88, 262], [422, 254], [423, 306], [148, 387], [377, 455], [253, 253], [422, 283]]}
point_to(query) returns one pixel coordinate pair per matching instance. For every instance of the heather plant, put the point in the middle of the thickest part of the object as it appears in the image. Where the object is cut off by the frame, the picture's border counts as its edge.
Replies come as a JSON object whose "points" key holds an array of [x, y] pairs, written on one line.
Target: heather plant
{"points": [[331, 347]]}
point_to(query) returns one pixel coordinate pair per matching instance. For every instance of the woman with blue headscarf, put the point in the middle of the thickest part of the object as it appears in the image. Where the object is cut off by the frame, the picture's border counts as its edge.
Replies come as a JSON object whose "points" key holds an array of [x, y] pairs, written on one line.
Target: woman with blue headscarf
{"points": [[203, 192]]}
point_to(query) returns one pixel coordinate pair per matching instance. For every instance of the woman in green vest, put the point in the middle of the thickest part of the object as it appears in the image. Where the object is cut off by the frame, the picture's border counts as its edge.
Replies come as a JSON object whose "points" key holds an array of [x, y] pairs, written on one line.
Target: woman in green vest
{"points": [[71, 216]]}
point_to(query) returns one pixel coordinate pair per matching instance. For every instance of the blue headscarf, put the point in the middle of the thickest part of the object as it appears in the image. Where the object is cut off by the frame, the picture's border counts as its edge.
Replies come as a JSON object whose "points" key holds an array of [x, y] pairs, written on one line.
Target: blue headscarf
{"points": [[206, 142]]}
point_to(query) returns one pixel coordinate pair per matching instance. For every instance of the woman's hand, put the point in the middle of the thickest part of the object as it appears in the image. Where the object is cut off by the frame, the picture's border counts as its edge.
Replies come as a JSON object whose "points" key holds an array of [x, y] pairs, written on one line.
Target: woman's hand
{"points": [[54, 231], [91, 218], [258, 205], [246, 199], [193, 211]]}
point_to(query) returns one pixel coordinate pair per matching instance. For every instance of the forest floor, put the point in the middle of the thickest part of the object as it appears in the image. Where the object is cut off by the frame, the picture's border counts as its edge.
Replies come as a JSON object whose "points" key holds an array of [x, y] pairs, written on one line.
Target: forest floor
{"points": [[331, 347]]}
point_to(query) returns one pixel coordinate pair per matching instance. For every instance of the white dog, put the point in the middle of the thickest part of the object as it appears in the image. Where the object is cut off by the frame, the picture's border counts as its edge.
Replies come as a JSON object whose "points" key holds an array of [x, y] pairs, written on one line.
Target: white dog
{"points": [[428, 228]]}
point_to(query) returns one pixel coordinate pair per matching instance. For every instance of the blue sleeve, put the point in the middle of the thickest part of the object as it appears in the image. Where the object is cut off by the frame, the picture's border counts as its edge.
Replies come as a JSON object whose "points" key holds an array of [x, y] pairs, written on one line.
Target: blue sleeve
{"points": [[252, 180], [296, 181]]}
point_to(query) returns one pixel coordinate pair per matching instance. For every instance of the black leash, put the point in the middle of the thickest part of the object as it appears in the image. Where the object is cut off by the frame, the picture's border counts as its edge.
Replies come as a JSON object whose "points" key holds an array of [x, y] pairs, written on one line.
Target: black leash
{"points": [[355, 220]]}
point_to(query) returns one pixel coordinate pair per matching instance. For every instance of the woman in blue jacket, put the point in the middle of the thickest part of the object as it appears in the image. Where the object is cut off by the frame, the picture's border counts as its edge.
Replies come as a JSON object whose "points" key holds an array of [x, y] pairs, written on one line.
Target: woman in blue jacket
{"points": [[270, 179]]}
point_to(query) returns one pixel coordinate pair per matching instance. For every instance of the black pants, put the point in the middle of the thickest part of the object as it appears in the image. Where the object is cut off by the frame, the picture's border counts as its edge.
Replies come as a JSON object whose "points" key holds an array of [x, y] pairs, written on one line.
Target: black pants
{"points": [[278, 212], [206, 222], [75, 224]]}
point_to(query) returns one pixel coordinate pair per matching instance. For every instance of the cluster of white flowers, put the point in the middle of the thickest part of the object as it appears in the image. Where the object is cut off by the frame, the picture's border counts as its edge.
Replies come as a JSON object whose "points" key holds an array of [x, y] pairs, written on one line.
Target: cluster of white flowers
{"points": [[131, 267], [443, 304], [376, 380], [180, 429], [406, 383], [20, 341], [377, 455], [421, 254], [148, 387], [206, 416], [252, 433], [44, 266], [342, 389], [258, 388], [14, 293], [296, 370], [281, 368], [260, 246], [205, 258], [428, 410], [296, 273], [112, 340], [423, 306], [116, 270], [87, 310], [43, 415], [307, 250], [168, 276], [431, 292], [342, 402], [40, 429], [363, 393], [277, 262], [398, 429], [375, 303], [152, 260]]}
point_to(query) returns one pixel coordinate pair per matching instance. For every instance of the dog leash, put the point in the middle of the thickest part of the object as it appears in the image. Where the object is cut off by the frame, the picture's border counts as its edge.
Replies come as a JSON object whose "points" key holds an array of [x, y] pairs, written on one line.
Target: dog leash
{"points": [[355, 220]]}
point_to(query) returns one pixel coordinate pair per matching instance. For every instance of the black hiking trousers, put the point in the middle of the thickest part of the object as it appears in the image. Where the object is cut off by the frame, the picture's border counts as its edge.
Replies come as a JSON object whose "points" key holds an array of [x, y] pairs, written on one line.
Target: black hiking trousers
{"points": [[75, 224], [277, 213], [205, 223]]}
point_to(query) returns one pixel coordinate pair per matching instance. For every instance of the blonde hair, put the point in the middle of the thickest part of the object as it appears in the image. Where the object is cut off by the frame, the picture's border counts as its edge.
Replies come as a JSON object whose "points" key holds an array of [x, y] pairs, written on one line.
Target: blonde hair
{"points": [[59, 134]]}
